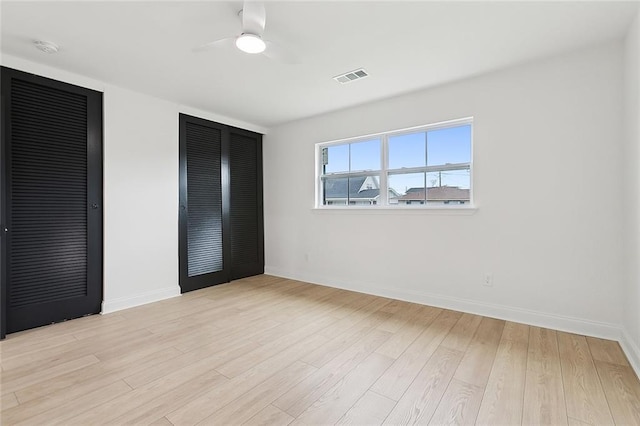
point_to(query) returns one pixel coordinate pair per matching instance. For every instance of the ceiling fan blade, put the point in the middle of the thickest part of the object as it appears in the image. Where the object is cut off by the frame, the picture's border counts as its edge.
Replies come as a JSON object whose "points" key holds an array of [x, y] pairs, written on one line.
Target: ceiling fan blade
{"points": [[278, 53], [223, 42], [253, 17]]}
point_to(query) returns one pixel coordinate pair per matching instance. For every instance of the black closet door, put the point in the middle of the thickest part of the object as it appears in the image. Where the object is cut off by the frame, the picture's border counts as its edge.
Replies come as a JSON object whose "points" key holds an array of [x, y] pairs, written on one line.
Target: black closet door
{"points": [[221, 219], [246, 214], [203, 174], [52, 201]]}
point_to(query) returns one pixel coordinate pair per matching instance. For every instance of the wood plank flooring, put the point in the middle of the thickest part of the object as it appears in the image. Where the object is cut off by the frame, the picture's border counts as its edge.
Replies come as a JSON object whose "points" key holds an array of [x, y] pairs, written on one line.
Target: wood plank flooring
{"points": [[271, 351]]}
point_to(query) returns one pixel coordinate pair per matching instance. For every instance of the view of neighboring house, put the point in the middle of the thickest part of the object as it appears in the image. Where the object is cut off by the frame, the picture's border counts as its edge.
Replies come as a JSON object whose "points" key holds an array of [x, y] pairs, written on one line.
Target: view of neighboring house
{"points": [[434, 195], [363, 190]]}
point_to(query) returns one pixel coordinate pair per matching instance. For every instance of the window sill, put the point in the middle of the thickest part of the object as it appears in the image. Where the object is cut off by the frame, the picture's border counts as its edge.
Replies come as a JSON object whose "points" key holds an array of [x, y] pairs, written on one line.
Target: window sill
{"points": [[453, 211]]}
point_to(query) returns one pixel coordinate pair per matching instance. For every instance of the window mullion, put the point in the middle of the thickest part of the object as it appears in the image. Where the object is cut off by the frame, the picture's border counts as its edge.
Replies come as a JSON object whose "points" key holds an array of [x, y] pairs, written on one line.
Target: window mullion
{"points": [[426, 164], [321, 184], [440, 168], [384, 162], [347, 174], [349, 179]]}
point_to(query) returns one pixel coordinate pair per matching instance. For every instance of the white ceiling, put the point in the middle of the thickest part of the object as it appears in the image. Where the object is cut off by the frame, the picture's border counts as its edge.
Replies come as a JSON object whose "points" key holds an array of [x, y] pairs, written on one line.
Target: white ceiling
{"points": [[405, 46]]}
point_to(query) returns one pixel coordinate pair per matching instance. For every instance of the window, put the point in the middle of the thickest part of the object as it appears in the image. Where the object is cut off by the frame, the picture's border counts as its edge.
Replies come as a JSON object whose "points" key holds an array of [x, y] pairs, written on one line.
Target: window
{"points": [[423, 166]]}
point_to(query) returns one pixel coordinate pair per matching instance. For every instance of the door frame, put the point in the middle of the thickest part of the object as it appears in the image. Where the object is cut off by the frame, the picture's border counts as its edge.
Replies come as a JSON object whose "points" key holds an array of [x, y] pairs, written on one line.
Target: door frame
{"points": [[4, 135], [95, 161]]}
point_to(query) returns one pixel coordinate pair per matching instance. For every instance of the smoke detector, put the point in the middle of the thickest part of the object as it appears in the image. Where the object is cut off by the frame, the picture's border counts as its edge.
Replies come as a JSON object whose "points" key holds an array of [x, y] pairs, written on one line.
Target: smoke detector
{"points": [[350, 76], [46, 46]]}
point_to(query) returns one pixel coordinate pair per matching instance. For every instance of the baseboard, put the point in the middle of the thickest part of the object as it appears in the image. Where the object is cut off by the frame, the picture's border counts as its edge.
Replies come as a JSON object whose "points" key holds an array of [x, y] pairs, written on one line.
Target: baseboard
{"points": [[118, 304], [632, 351], [525, 316]]}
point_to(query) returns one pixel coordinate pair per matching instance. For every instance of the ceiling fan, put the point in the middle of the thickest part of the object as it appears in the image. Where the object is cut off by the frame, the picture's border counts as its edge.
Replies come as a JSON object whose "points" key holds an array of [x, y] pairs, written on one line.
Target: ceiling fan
{"points": [[250, 39]]}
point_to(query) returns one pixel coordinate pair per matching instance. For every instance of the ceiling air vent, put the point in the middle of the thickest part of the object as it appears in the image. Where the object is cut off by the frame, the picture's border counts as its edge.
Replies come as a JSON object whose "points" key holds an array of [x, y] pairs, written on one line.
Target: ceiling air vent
{"points": [[350, 76]]}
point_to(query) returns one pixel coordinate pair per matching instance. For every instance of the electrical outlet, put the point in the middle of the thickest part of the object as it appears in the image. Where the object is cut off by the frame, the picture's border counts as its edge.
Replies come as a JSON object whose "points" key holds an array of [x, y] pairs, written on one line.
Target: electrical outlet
{"points": [[487, 280]]}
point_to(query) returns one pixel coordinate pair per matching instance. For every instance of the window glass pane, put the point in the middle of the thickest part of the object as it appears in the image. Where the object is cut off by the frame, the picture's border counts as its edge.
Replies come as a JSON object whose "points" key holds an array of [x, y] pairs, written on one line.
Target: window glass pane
{"points": [[449, 146], [407, 150], [363, 190], [454, 178], [406, 188], [448, 187], [338, 158], [335, 191], [365, 155]]}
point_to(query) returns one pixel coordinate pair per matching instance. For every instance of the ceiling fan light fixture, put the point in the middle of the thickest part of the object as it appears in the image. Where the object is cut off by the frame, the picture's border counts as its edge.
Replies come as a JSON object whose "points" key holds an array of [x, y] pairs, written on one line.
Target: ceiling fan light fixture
{"points": [[250, 43]]}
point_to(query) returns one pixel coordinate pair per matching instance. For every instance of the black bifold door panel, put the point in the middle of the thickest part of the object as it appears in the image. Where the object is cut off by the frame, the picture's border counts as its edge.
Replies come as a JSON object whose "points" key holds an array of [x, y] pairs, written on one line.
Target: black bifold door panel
{"points": [[221, 218], [51, 201]]}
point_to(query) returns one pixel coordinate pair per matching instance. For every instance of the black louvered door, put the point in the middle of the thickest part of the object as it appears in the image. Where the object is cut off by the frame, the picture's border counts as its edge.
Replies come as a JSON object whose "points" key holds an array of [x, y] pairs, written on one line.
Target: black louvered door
{"points": [[52, 193], [221, 225], [203, 261], [246, 220]]}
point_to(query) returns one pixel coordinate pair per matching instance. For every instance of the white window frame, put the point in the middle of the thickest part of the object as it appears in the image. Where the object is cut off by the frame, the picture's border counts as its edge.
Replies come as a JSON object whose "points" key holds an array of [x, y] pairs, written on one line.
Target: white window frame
{"points": [[385, 172]]}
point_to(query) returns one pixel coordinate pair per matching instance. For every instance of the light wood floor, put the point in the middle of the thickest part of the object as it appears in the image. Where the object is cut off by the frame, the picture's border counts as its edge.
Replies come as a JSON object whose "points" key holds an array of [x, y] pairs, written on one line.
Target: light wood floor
{"points": [[264, 350]]}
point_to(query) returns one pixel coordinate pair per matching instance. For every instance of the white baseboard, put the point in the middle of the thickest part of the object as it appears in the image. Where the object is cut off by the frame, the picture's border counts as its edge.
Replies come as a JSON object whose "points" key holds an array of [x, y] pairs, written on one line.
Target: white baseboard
{"points": [[632, 351], [118, 304], [525, 316]]}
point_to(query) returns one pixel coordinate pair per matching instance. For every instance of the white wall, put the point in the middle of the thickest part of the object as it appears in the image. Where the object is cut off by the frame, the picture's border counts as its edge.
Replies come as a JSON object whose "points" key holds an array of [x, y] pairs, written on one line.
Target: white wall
{"points": [[140, 199], [140, 188], [547, 172], [632, 193]]}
